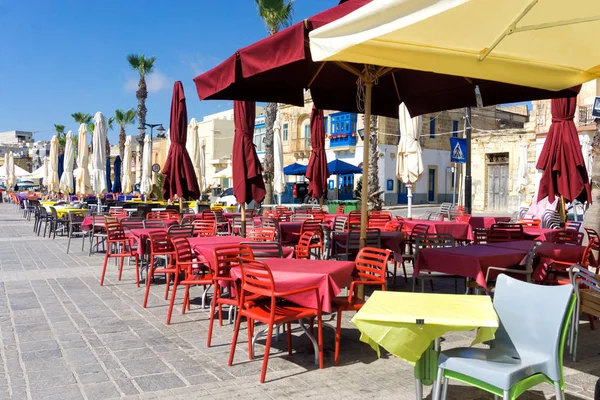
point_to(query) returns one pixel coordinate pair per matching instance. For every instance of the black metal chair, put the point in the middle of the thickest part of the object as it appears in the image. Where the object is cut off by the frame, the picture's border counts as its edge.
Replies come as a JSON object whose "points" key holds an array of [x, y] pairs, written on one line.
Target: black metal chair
{"points": [[74, 230], [349, 249], [428, 241]]}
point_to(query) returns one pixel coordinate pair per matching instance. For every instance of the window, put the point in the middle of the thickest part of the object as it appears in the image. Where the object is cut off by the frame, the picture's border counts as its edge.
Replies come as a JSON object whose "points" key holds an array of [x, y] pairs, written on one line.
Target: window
{"points": [[285, 132], [454, 128], [259, 136], [307, 131], [432, 128]]}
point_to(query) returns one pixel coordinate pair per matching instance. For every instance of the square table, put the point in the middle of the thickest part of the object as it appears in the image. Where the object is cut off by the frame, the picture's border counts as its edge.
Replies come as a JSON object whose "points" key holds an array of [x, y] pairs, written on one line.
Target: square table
{"points": [[406, 325], [329, 276], [458, 230], [541, 234]]}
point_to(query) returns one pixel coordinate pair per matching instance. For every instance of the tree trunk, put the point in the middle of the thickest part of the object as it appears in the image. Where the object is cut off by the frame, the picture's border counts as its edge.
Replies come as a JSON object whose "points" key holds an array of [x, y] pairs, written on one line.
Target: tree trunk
{"points": [[141, 94], [270, 115], [592, 215], [107, 147], [122, 138], [375, 202]]}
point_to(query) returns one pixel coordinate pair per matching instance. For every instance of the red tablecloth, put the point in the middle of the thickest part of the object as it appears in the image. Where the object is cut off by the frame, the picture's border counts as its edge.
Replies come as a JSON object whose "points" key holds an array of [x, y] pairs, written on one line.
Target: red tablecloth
{"points": [[141, 236], [204, 246], [548, 252], [290, 231], [458, 230], [393, 241], [468, 261], [329, 276], [541, 234], [480, 222]]}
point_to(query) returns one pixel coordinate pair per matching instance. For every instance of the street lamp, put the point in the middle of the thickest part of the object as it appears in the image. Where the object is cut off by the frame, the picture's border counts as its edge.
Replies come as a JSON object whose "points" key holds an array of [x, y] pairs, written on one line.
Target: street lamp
{"points": [[160, 131]]}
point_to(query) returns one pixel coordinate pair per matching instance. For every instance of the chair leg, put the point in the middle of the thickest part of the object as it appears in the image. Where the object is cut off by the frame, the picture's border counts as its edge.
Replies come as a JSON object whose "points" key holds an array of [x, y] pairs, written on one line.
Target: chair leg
{"points": [[591, 319], [186, 298], [149, 277], [263, 372], [167, 284], [394, 276], [289, 338], [338, 337], [236, 331], [320, 339], [137, 271], [170, 312], [121, 267], [104, 269], [559, 394], [437, 390], [69, 243], [445, 389], [213, 305], [250, 329], [507, 395], [220, 310]]}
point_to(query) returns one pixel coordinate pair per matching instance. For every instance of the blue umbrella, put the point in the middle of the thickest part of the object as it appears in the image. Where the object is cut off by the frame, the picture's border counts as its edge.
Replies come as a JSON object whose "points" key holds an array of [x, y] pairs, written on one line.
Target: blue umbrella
{"points": [[295, 169], [61, 165], [108, 182], [339, 167], [117, 183]]}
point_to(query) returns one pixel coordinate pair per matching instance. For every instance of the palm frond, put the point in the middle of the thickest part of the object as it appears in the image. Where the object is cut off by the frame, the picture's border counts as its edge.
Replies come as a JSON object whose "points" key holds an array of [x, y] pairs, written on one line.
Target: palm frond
{"points": [[60, 130], [276, 14], [130, 116], [109, 123], [82, 118], [134, 60]]}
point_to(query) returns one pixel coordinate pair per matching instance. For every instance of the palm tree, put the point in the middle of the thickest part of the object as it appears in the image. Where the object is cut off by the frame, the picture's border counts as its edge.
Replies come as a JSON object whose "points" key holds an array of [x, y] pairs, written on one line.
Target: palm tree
{"points": [[143, 66], [276, 14], [124, 118], [82, 118], [60, 135], [109, 126]]}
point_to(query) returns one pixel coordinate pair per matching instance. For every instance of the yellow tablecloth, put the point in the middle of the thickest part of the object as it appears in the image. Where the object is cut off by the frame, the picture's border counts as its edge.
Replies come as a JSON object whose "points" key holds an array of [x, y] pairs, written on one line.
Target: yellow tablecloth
{"points": [[61, 211], [48, 202], [389, 319]]}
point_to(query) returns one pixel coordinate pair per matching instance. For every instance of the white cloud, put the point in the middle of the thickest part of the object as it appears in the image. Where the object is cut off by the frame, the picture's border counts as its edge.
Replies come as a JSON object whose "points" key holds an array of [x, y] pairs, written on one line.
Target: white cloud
{"points": [[155, 82]]}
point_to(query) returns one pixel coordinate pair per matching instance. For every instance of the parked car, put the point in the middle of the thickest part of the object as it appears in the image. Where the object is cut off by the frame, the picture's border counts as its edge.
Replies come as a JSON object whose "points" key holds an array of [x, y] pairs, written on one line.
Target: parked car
{"points": [[227, 198]]}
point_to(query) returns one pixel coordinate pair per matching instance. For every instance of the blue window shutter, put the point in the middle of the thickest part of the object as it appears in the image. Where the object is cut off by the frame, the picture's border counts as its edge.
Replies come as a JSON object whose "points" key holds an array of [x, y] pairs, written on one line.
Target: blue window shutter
{"points": [[432, 128]]}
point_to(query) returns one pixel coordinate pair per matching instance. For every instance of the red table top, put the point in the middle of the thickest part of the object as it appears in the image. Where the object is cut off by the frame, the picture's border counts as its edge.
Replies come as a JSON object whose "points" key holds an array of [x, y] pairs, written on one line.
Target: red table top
{"points": [[458, 230], [204, 246], [480, 222], [329, 276], [541, 234]]}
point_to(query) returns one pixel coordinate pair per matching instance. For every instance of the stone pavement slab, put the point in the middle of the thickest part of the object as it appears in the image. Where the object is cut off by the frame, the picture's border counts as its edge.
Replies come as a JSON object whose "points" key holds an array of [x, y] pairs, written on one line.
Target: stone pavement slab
{"points": [[62, 336]]}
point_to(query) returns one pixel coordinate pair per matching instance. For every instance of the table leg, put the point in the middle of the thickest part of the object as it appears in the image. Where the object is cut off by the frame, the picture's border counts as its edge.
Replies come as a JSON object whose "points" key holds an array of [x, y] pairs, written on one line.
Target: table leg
{"points": [[426, 368], [419, 389]]}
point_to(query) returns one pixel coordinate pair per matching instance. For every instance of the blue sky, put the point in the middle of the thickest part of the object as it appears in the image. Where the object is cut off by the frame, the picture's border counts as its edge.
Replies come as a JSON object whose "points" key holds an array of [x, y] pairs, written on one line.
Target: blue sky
{"points": [[58, 57]]}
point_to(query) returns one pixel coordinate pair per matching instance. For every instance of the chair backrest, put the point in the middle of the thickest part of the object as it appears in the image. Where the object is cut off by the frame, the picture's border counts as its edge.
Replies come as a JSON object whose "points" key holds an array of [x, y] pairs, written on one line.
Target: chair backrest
{"points": [[515, 230], [371, 264], [284, 216], [339, 223], [311, 226], [339, 209], [75, 218], [154, 223], [115, 232], [592, 235], [419, 229], [227, 257], [188, 219], [393, 225], [117, 211], [208, 215], [186, 231], [373, 237], [160, 242], [303, 246], [270, 214], [568, 237], [269, 222], [261, 234], [257, 279], [280, 209], [432, 240], [301, 211], [236, 222], [381, 213], [445, 209], [551, 219], [53, 212], [205, 228], [530, 222], [183, 251], [265, 249], [529, 258], [378, 220], [129, 225], [533, 319], [573, 226], [480, 235], [318, 216], [301, 217], [158, 215]]}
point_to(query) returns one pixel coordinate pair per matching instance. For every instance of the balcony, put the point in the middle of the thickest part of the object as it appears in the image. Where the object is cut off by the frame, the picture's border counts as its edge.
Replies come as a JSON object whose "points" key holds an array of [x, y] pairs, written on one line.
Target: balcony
{"points": [[342, 141], [300, 147], [585, 115]]}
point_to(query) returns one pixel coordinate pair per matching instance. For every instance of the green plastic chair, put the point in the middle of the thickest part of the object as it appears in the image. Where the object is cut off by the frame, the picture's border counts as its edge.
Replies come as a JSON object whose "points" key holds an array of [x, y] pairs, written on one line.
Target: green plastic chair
{"points": [[529, 344]]}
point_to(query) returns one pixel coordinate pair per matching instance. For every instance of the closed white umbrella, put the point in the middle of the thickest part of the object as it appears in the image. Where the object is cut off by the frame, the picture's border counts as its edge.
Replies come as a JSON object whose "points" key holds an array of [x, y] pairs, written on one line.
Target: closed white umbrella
{"points": [[126, 179], [409, 168], [4, 172], [66, 180], [45, 172], [82, 176], [278, 175], [138, 166], [99, 155], [522, 171], [193, 147], [586, 150], [146, 183], [11, 179], [52, 181]]}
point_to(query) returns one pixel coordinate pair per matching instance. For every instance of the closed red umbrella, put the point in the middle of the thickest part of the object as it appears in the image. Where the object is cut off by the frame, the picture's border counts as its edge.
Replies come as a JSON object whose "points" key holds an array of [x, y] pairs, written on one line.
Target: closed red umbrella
{"points": [[317, 171], [561, 158], [248, 182], [180, 178]]}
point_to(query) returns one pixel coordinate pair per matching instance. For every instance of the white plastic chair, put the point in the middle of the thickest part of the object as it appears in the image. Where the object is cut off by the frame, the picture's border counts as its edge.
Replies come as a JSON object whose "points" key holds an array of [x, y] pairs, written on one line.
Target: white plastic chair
{"points": [[528, 349]]}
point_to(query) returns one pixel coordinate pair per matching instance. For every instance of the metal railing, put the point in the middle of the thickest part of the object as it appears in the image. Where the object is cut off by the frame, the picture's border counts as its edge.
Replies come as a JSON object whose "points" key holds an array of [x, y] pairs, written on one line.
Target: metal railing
{"points": [[302, 144], [585, 115]]}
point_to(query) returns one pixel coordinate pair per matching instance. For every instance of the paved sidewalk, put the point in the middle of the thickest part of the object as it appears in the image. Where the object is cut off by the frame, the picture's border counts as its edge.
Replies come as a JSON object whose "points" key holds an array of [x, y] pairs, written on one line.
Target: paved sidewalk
{"points": [[62, 336]]}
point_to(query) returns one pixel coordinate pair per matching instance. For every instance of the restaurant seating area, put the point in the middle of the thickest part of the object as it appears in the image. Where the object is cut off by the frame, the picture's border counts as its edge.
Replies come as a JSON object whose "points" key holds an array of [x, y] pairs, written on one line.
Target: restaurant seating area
{"points": [[298, 272]]}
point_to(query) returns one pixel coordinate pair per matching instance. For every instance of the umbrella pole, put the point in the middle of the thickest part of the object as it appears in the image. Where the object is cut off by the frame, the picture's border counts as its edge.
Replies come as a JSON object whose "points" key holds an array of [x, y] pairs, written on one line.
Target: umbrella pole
{"points": [[243, 228], [409, 196], [321, 201], [365, 178]]}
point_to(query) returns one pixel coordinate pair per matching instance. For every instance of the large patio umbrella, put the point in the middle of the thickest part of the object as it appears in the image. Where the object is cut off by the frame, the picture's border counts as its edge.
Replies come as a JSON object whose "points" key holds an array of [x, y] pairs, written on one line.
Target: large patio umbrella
{"points": [[180, 178], [522, 42], [278, 174], [66, 180], [99, 156], [82, 176], [107, 175], [53, 180], [294, 169], [146, 182], [11, 178], [248, 183], [45, 171], [339, 167], [61, 166], [279, 69], [316, 171], [127, 185], [409, 165], [192, 146], [116, 188], [561, 159]]}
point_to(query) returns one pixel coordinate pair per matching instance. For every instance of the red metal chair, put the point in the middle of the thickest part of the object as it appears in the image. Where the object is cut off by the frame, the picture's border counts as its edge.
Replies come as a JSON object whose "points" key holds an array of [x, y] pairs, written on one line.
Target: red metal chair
{"points": [[371, 266], [119, 246], [195, 273], [592, 235], [515, 230], [573, 226], [160, 246], [353, 221], [530, 222], [204, 228], [339, 209], [302, 249], [257, 280], [117, 211], [158, 215], [261, 234], [378, 221], [317, 229], [225, 258]]}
